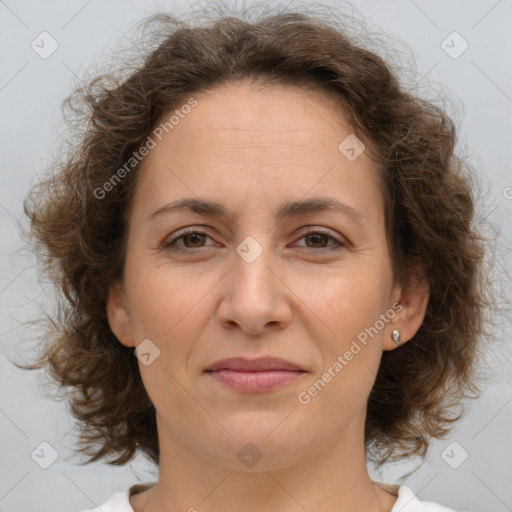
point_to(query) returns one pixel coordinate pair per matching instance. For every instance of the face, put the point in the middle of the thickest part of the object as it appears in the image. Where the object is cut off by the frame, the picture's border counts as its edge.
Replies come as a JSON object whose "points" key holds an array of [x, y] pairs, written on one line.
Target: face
{"points": [[260, 269]]}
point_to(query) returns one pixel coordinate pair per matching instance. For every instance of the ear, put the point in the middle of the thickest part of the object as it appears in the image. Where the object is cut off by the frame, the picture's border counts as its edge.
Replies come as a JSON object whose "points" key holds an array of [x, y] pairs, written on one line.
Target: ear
{"points": [[118, 314], [413, 300]]}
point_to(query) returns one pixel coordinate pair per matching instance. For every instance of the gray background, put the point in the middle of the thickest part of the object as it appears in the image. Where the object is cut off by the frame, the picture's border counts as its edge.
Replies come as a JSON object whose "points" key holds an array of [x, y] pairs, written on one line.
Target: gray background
{"points": [[479, 83]]}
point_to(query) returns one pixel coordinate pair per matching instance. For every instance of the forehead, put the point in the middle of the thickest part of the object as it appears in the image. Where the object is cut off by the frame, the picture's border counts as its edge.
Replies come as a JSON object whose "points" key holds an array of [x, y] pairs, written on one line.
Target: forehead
{"points": [[253, 111], [255, 139]]}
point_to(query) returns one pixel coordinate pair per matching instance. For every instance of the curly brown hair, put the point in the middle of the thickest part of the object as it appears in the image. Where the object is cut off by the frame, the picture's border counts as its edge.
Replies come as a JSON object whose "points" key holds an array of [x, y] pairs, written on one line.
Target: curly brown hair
{"points": [[429, 218]]}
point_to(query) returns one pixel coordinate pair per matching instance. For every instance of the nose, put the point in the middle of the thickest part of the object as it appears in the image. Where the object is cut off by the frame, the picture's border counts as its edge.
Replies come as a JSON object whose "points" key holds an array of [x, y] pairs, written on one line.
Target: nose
{"points": [[255, 296]]}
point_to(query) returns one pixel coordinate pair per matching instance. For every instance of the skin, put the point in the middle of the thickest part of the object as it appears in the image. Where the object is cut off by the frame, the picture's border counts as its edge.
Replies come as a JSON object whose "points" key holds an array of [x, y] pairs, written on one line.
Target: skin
{"points": [[253, 148]]}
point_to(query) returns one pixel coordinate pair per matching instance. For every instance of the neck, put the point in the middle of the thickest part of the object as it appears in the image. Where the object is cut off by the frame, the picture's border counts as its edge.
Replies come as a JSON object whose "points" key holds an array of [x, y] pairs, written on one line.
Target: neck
{"points": [[331, 476]]}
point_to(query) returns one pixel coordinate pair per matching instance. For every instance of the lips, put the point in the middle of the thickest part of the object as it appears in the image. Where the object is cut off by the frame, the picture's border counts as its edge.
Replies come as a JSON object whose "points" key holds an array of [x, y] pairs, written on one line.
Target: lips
{"points": [[254, 375], [263, 364]]}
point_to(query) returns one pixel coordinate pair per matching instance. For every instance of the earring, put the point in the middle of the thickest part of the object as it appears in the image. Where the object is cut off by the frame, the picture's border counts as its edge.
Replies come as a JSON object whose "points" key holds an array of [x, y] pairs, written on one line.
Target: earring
{"points": [[396, 336], [124, 334]]}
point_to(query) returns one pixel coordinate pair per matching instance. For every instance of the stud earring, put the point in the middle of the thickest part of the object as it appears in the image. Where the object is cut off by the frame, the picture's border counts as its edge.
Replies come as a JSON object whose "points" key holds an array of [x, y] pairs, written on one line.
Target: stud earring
{"points": [[124, 334], [396, 336]]}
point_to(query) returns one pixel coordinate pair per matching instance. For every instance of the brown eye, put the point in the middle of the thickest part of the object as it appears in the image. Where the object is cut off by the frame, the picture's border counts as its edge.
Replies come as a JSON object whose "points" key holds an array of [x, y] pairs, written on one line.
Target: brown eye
{"points": [[192, 239], [318, 239]]}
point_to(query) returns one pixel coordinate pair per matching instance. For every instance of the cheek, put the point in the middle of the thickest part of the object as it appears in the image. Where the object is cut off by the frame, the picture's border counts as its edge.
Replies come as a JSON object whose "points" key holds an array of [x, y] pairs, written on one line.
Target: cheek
{"points": [[161, 299], [161, 311], [351, 353], [171, 309], [354, 300]]}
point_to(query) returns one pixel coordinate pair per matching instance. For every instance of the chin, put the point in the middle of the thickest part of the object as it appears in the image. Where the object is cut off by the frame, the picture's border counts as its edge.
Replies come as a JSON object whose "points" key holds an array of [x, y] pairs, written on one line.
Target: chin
{"points": [[258, 442]]}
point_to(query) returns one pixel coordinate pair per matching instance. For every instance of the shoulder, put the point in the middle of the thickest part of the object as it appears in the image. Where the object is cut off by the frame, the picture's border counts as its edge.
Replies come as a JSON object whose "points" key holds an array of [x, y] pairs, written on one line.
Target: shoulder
{"points": [[407, 501], [120, 501]]}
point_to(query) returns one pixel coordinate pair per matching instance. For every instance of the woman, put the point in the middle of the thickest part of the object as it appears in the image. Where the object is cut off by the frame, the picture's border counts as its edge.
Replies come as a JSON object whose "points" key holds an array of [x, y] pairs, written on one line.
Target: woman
{"points": [[283, 237]]}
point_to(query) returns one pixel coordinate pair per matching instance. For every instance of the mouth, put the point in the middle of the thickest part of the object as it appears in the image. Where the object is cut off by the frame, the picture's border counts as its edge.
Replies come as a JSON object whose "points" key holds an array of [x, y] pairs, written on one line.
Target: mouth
{"points": [[256, 375]]}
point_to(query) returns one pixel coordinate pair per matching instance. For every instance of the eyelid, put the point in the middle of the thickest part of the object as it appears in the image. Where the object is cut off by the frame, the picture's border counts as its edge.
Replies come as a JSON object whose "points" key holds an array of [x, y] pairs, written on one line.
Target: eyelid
{"points": [[171, 239], [323, 231], [304, 231]]}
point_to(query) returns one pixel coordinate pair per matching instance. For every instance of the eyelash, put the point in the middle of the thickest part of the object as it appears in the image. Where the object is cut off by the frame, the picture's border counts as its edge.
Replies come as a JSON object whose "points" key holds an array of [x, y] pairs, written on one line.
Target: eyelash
{"points": [[169, 245]]}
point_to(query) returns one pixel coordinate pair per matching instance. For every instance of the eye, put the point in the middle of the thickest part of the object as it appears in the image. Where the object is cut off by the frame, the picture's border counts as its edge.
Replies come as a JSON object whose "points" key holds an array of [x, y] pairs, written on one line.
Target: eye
{"points": [[195, 239], [191, 239], [320, 239]]}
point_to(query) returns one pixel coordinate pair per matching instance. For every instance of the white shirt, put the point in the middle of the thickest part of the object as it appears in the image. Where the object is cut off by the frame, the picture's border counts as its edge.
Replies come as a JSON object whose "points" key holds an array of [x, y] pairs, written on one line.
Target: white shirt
{"points": [[406, 502]]}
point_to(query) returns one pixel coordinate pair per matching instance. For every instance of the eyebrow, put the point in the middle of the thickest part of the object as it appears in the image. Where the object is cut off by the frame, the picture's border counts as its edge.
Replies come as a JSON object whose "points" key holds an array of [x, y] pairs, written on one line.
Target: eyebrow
{"points": [[288, 209]]}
